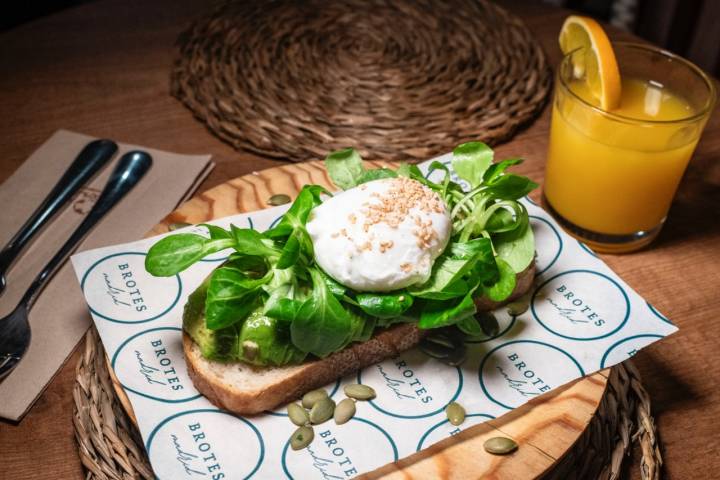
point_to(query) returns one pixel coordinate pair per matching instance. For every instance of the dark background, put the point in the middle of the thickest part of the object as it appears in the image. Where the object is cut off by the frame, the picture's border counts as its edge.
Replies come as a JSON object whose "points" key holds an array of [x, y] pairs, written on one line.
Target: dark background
{"points": [[687, 27]]}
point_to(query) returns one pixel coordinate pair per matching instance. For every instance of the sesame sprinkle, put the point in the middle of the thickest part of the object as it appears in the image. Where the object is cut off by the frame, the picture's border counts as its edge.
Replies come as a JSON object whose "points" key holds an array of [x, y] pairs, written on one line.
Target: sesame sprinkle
{"points": [[406, 267], [365, 246], [384, 246], [395, 204]]}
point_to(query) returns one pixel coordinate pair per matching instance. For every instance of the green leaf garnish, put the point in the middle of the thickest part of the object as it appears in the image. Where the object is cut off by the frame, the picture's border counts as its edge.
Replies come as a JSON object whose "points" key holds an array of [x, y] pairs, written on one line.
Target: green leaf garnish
{"points": [[322, 325], [471, 160], [345, 168], [505, 285], [175, 253], [438, 314], [384, 305]]}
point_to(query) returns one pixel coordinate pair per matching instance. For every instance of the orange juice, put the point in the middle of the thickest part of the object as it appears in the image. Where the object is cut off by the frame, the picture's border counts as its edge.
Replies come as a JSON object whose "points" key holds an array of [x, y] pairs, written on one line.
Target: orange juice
{"points": [[617, 174]]}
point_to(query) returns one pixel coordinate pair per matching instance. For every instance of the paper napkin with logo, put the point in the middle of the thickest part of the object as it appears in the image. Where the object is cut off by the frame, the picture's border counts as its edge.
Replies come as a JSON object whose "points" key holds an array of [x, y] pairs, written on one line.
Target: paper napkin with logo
{"points": [[582, 318], [59, 319]]}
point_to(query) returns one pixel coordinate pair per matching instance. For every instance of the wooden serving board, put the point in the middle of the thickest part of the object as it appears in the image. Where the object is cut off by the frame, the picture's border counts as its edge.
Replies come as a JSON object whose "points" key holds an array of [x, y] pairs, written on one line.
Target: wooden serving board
{"points": [[545, 428]]}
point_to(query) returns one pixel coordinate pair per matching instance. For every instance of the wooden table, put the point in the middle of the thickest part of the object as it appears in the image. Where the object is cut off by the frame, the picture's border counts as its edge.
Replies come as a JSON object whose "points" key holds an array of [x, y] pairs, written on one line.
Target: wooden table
{"points": [[102, 69]]}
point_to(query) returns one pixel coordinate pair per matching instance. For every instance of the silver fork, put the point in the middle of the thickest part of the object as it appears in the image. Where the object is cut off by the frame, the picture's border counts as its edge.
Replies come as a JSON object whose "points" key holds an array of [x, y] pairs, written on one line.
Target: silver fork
{"points": [[14, 328]]}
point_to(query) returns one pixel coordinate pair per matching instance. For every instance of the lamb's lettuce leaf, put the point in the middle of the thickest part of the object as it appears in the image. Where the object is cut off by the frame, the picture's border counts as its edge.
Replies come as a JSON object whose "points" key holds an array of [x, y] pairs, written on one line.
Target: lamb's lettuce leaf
{"points": [[439, 313], [345, 168], [322, 325], [231, 296], [384, 305], [471, 160], [175, 253]]}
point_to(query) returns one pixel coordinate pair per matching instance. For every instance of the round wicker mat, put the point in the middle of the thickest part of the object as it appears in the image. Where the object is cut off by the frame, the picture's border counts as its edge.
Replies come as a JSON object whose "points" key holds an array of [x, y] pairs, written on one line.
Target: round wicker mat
{"points": [[110, 447], [398, 80]]}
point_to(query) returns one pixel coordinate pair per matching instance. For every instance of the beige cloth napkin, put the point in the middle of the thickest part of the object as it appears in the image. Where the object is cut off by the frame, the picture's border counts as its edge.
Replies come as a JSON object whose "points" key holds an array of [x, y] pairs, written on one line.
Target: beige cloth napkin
{"points": [[60, 316]]}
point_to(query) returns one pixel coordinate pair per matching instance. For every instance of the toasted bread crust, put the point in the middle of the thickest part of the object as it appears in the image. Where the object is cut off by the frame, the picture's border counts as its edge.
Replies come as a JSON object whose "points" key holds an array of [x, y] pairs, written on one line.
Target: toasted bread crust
{"points": [[295, 380], [298, 379]]}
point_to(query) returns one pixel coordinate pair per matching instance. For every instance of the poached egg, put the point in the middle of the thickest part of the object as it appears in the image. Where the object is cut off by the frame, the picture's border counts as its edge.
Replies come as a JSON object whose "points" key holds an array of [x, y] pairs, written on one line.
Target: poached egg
{"points": [[380, 236]]}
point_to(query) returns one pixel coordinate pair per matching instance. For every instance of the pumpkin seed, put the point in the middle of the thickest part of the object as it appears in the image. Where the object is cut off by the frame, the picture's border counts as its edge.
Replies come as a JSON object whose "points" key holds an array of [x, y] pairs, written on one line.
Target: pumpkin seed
{"points": [[518, 307], [301, 438], [441, 339], [298, 415], [500, 445], [455, 413], [322, 411], [279, 199], [456, 357], [344, 411], [312, 397], [359, 391], [178, 225], [488, 323], [435, 350]]}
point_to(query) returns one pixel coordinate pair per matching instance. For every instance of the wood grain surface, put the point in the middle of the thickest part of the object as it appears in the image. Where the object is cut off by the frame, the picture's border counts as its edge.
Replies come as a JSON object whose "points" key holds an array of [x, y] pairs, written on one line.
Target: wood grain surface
{"points": [[102, 69]]}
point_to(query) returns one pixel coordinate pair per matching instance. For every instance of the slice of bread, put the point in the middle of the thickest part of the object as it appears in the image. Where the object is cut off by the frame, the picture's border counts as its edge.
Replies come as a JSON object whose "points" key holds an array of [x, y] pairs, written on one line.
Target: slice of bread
{"points": [[247, 389]]}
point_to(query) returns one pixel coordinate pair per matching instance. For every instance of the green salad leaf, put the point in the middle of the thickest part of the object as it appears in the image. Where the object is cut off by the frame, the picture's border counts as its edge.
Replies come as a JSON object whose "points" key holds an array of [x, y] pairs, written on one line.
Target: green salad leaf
{"points": [[384, 305], [298, 213], [345, 168], [505, 284], [517, 247], [321, 326], [438, 313], [175, 253], [251, 242], [450, 277], [218, 344], [231, 296], [471, 160], [376, 174]]}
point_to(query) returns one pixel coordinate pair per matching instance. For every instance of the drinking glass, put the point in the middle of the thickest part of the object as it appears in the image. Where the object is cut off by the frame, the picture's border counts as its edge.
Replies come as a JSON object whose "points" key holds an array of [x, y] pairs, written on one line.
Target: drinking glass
{"points": [[611, 175]]}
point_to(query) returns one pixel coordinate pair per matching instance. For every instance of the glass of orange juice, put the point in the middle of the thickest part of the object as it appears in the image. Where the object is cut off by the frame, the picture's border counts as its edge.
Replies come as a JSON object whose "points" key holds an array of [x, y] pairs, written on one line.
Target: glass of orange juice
{"points": [[611, 175]]}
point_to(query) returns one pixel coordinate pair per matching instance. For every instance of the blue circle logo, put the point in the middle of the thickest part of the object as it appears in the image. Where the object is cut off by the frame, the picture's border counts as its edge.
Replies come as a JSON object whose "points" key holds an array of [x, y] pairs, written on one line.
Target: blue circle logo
{"points": [[530, 200], [548, 236], [518, 371], [626, 348], [658, 314], [335, 452], [412, 385], [587, 249], [151, 364], [581, 305], [445, 429], [119, 289], [205, 442]]}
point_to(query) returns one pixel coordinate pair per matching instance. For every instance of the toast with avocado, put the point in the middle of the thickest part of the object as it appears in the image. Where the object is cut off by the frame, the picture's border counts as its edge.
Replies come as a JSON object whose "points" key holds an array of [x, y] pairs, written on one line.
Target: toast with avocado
{"points": [[344, 281]]}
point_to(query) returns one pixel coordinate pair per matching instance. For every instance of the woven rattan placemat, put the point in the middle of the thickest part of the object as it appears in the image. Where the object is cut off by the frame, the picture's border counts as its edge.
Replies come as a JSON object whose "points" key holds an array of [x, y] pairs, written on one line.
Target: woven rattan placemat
{"points": [[110, 446], [398, 80]]}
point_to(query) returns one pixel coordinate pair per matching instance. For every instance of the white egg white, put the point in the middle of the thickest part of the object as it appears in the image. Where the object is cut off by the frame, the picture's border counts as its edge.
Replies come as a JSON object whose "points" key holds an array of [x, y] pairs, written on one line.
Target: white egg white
{"points": [[379, 252]]}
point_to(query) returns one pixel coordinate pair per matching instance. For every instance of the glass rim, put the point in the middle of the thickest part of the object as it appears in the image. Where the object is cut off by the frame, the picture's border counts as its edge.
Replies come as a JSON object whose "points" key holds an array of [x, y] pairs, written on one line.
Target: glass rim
{"points": [[704, 111]]}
